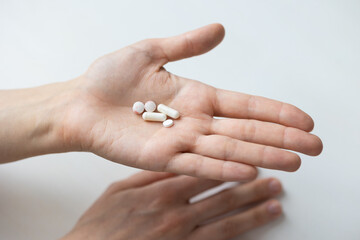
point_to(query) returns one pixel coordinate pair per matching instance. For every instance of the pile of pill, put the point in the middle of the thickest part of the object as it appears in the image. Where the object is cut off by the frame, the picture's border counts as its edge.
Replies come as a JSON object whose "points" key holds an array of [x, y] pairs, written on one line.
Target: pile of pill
{"points": [[150, 115]]}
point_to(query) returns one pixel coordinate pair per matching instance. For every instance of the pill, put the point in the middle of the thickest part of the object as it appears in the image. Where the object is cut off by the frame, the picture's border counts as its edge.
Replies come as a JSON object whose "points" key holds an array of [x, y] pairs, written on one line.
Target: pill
{"points": [[150, 106], [151, 116], [168, 123], [138, 107], [168, 111]]}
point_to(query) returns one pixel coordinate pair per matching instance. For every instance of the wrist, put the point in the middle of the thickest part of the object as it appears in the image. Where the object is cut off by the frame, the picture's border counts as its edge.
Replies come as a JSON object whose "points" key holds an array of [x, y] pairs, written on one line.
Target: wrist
{"points": [[59, 111], [33, 120]]}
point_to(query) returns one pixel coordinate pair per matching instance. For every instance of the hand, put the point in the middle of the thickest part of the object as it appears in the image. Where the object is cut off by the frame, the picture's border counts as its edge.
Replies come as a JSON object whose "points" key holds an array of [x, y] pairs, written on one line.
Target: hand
{"points": [[99, 118], [155, 206]]}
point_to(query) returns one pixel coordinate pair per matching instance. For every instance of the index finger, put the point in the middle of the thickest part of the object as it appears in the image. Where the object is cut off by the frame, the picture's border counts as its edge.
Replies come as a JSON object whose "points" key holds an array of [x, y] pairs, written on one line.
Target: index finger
{"points": [[238, 105]]}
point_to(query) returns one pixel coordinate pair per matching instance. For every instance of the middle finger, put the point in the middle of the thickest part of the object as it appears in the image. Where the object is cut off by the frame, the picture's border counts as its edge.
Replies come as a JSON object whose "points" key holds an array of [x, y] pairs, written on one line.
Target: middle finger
{"points": [[230, 149]]}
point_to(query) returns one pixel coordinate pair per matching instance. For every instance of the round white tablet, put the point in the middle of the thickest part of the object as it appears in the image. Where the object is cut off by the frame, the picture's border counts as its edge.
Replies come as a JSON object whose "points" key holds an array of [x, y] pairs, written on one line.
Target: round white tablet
{"points": [[168, 123], [138, 107], [150, 106]]}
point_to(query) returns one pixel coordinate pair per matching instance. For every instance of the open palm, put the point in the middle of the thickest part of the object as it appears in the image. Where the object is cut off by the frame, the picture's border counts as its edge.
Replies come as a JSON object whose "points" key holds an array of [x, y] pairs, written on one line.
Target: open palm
{"points": [[254, 132]]}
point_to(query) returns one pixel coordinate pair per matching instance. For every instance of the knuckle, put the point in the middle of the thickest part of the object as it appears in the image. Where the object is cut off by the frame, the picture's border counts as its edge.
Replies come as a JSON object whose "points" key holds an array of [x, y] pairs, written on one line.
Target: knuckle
{"points": [[178, 218], [263, 155], [173, 221], [251, 105], [229, 149], [284, 137], [164, 198], [250, 130], [148, 47]]}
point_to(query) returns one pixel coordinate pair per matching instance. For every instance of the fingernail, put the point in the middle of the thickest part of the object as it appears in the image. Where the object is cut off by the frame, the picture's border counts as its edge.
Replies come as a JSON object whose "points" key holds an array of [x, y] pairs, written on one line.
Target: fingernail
{"points": [[274, 208], [274, 186]]}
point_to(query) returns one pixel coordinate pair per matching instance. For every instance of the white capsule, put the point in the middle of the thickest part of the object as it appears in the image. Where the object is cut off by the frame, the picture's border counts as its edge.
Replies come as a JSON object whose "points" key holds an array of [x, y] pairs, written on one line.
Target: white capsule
{"points": [[156, 117], [168, 123], [138, 107], [150, 106], [168, 111]]}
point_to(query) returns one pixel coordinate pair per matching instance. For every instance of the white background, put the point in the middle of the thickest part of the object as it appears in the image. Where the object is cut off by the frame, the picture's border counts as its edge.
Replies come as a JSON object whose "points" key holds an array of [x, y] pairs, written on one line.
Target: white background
{"points": [[303, 52]]}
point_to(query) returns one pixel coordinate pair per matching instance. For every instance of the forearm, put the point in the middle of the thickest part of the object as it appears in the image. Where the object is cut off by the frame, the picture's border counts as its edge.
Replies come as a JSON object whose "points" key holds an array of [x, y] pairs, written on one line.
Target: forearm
{"points": [[31, 120]]}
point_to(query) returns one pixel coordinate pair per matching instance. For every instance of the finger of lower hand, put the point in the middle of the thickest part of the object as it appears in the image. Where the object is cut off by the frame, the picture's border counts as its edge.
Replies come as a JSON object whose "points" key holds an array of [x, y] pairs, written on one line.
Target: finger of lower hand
{"points": [[236, 197], [233, 226], [139, 179], [186, 187]]}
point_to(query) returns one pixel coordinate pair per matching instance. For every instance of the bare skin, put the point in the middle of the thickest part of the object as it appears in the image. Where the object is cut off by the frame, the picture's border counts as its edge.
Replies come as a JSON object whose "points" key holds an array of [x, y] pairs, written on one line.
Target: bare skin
{"points": [[93, 113], [155, 206]]}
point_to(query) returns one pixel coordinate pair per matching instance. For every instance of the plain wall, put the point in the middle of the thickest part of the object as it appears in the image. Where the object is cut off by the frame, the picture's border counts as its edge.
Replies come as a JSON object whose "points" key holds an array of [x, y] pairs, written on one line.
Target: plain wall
{"points": [[303, 52]]}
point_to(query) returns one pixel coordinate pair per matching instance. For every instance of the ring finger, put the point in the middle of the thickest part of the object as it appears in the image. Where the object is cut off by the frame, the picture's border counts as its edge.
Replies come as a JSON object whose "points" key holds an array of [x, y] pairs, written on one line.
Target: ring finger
{"points": [[230, 149], [233, 226]]}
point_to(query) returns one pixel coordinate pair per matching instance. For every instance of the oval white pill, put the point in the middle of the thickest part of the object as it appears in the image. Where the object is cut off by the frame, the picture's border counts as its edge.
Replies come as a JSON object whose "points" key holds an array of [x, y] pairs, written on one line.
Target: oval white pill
{"points": [[168, 111], [168, 123], [150, 106], [138, 107], [156, 117]]}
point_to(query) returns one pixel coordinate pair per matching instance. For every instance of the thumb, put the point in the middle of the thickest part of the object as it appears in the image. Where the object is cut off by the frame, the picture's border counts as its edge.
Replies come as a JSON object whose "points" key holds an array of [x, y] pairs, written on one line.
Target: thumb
{"points": [[189, 44], [193, 43]]}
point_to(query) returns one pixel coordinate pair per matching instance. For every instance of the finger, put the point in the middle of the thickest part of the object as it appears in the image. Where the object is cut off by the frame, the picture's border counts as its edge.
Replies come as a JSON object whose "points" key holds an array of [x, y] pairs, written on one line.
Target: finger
{"points": [[205, 167], [187, 187], [230, 149], [238, 105], [230, 227], [236, 197], [189, 44], [268, 134], [139, 180]]}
